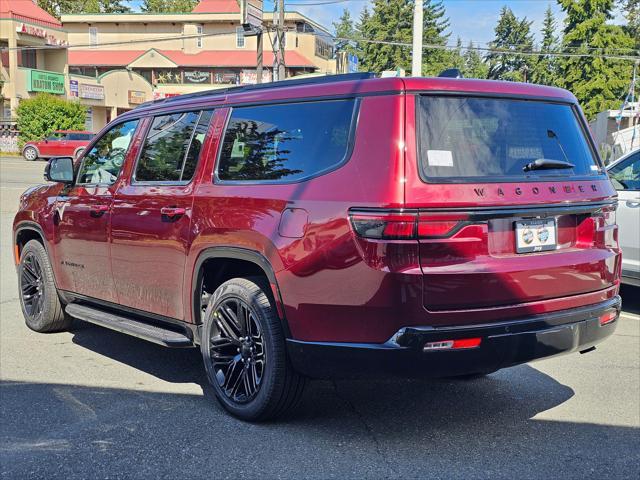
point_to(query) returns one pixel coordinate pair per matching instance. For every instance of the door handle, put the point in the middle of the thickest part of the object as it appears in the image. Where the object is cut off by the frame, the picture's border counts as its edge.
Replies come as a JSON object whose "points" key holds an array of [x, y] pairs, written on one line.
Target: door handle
{"points": [[172, 213], [98, 210]]}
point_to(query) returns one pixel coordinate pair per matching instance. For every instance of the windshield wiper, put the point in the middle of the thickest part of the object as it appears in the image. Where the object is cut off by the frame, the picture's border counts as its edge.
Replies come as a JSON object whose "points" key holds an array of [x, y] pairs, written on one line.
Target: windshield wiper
{"points": [[546, 164]]}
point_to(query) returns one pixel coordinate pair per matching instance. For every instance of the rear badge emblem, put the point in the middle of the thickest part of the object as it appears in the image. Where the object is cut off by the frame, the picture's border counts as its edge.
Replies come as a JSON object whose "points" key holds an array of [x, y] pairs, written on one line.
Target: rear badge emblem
{"points": [[527, 236]]}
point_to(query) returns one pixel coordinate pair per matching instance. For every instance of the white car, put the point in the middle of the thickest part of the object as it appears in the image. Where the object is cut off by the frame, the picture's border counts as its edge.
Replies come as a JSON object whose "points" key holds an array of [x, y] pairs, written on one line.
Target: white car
{"points": [[625, 176]]}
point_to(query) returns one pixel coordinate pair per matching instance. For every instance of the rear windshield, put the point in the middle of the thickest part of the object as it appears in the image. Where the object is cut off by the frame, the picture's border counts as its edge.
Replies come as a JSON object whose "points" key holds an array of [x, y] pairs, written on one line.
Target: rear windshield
{"points": [[466, 138]]}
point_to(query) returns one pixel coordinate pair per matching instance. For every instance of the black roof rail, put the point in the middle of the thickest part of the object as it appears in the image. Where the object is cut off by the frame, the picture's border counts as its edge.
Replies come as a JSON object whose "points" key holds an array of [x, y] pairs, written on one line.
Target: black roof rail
{"points": [[319, 80]]}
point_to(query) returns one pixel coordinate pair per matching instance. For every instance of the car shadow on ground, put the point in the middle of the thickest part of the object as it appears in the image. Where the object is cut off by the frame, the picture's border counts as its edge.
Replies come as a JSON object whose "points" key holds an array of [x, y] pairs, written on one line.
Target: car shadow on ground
{"points": [[382, 428]]}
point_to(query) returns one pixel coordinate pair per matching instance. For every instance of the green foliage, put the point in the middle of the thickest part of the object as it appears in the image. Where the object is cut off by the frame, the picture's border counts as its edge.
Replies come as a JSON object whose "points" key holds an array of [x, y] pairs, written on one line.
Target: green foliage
{"points": [[168, 6], [632, 14], [597, 82], [474, 64], [511, 34], [392, 21], [60, 7], [345, 29], [40, 115], [545, 70]]}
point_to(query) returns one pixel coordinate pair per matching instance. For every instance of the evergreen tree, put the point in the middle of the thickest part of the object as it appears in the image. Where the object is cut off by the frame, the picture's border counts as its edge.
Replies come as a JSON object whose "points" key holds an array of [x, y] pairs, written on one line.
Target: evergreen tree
{"points": [[345, 29], [632, 14], [61, 7], [511, 34], [168, 6], [474, 64], [392, 21], [598, 83], [456, 57], [545, 70]]}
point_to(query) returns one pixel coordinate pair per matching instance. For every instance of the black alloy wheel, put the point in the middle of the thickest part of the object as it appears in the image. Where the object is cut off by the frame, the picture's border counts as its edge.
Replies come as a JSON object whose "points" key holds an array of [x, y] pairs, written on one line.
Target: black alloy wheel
{"points": [[238, 355], [31, 286]]}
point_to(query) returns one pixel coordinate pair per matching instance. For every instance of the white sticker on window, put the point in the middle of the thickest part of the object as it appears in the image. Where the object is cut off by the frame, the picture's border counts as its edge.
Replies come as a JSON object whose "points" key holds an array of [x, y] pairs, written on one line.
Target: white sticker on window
{"points": [[440, 158]]}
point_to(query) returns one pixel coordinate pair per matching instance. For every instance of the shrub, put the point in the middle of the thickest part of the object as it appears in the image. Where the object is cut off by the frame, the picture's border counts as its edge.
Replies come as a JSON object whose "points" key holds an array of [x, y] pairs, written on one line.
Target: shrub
{"points": [[41, 115]]}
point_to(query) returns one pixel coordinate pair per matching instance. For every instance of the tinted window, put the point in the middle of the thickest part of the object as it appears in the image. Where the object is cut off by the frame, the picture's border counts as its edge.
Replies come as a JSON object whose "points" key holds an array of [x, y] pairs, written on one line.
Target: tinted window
{"points": [[102, 164], [171, 149], [79, 136], [487, 137], [626, 174], [285, 142]]}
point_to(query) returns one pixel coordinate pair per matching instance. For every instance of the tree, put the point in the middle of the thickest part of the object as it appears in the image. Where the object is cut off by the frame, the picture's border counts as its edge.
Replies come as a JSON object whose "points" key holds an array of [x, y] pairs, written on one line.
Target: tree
{"points": [[511, 34], [474, 64], [60, 7], [345, 29], [598, 83], [632, 14], [43, 114], [168, 6], [391, 24], [545, 70]]}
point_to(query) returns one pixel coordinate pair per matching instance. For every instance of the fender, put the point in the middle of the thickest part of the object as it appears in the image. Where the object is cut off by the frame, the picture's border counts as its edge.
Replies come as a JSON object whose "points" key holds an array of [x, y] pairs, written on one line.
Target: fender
{"points": [[238, 253], [33, 146]]}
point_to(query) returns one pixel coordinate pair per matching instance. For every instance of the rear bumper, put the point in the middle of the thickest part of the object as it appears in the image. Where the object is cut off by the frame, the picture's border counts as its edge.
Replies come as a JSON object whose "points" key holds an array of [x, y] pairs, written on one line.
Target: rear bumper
{"points": [[503, 344]]}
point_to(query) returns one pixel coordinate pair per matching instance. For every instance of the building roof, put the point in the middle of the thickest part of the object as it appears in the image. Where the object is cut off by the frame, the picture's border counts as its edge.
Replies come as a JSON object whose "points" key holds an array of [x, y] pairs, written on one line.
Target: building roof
{"points": [[217, 6], [28, 11], [209, 58]]}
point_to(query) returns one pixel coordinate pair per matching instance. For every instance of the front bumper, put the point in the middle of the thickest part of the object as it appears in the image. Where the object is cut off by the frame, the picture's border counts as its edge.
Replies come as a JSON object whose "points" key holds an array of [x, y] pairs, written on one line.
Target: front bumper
{"points": [[503, 345]]}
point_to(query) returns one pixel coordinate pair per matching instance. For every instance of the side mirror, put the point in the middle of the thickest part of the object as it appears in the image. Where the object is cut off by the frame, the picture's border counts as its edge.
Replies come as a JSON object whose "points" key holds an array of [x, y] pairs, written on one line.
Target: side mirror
{"points": [[59, 169]]}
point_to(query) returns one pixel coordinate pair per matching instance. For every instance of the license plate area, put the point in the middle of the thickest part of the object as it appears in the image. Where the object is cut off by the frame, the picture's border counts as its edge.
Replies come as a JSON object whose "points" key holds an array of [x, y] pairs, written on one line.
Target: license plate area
{"points": [[536, 235]]}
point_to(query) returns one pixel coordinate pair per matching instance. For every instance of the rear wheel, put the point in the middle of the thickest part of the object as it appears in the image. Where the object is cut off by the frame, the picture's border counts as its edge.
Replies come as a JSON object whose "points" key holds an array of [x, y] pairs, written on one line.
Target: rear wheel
{"points": [[41, 306], [243, 349], [30, 154]]}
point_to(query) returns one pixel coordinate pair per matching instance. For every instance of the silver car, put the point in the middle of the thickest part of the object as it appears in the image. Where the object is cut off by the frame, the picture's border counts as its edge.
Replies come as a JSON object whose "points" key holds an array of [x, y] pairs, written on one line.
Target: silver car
{"points": [[625, 176]]}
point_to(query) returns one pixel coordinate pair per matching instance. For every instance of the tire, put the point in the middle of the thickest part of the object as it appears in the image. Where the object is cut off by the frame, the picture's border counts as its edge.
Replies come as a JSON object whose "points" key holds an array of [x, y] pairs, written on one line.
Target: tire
{"points": [[30, 154], [41, 306], [252, 378]]}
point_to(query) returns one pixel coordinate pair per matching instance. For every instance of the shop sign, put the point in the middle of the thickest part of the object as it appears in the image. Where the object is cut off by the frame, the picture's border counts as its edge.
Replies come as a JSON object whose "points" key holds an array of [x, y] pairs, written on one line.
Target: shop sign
{"points": [[161, 95], [49, 82], [93, 92], [250, 77], [251, 11], [197, 76], [33, 31], [88, 121], [73, 88], [136, 97]]}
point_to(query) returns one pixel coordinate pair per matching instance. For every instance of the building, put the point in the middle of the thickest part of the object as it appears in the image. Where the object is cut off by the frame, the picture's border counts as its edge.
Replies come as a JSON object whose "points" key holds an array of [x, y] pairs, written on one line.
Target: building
{"points": [[117, 61], [617, 132]]}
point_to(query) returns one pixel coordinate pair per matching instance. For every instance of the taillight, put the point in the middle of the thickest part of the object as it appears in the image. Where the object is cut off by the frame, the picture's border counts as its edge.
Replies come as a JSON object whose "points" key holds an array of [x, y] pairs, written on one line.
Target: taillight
{"points": [[608, 317], [459, 344], [405, 225]]}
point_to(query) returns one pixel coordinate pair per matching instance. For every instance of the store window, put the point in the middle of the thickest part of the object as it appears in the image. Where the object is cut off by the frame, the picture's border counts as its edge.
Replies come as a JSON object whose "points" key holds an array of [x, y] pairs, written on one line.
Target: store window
{"points": [[239, 37], [93, 36], [200, 30], [28, 59]]}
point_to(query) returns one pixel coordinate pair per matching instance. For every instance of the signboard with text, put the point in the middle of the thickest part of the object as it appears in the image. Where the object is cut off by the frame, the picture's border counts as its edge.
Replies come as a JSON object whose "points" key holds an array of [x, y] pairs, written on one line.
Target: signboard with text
{"points": [[73, 88], [136, 97], [251, 11], [93, 92], [49, 82]]}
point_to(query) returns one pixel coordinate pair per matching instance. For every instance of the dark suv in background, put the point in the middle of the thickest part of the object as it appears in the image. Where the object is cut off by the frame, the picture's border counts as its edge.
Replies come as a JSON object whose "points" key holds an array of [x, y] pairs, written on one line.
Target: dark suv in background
{"points": [[333, 227]]}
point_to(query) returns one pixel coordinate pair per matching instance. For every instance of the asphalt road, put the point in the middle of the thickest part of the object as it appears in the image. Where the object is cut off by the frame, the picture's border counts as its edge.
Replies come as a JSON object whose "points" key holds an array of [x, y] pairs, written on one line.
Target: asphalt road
{"points": [[92, 403]]}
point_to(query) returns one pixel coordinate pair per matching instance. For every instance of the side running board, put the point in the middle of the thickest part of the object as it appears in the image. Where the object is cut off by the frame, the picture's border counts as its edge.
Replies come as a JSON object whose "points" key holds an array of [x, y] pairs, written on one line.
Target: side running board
{"points": [[130, 326]]}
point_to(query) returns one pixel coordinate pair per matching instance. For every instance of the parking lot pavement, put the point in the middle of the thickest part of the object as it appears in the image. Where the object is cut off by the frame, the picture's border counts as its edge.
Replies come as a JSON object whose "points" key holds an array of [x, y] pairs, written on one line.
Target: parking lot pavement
{"points": [[92, 403]]}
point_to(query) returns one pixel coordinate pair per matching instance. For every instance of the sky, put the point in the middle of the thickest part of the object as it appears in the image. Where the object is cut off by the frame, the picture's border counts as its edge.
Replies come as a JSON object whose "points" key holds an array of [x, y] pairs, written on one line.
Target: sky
{"points": [[471, 20]]}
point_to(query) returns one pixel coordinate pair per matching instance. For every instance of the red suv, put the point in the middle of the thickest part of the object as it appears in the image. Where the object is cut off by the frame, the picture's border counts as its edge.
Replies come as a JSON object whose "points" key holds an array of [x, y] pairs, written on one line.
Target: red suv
{"points": [[339, 227], [61, 143]]}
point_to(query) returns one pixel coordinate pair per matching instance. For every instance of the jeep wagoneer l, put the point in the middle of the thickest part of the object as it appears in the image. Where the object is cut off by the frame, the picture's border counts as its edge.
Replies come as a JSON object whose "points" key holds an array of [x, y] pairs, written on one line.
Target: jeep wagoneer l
{"points": [[335, 227]]}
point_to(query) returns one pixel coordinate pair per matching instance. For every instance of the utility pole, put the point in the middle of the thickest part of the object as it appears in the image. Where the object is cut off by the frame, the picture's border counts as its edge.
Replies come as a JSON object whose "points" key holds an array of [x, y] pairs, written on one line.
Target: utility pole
{"points": [[280, 34], [259, 56], [416, 54]]}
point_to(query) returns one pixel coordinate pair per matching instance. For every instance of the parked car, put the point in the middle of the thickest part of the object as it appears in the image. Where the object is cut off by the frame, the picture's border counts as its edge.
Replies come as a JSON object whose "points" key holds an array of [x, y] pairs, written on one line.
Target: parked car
{"points": [[338, 227], [59, 144], [625, 175]]}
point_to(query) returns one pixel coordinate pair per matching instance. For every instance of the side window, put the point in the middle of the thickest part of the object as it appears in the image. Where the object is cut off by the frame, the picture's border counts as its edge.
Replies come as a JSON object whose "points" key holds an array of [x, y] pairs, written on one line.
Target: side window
{"points": [[172, 147], [626, 175], [283, 143], [102, 164]]}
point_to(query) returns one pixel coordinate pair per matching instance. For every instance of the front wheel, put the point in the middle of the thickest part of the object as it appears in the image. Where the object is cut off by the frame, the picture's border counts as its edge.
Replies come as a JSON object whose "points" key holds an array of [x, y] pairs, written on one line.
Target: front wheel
{"points": [[30, 154], [41, 306], [244, 353]]}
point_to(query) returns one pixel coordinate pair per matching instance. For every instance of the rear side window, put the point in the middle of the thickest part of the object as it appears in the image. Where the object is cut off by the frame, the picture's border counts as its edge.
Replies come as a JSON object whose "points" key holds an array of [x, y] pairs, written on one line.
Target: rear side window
{"points": [[284, 143], [172, 147], [467, 138]]}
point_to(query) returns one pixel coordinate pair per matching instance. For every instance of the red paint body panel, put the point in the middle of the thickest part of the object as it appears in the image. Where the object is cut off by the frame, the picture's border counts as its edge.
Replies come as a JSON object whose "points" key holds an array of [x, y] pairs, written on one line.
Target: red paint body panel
{"points": [[334, 285], [63, 147]]}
